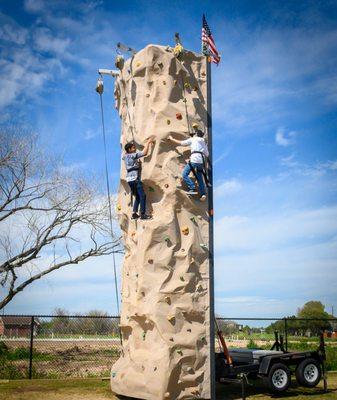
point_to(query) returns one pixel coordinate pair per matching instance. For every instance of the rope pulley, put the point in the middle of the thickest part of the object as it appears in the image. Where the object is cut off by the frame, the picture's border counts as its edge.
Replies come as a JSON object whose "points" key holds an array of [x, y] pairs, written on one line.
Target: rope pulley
{"points": [[99, 86]]}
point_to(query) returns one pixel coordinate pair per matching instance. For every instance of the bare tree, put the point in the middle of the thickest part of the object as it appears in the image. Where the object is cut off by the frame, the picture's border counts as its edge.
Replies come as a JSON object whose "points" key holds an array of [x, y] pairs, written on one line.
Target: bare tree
{"points": [[48, 218]]}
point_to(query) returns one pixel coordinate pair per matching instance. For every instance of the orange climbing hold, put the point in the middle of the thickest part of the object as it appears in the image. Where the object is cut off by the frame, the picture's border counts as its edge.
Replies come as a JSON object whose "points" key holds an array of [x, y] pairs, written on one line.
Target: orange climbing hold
{"points": [[185, 230], [179, 116]]}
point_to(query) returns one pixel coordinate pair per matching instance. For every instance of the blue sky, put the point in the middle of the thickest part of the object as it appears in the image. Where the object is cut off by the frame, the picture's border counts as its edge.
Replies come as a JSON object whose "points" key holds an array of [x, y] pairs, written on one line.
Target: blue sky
{"points": [[275, 141]]}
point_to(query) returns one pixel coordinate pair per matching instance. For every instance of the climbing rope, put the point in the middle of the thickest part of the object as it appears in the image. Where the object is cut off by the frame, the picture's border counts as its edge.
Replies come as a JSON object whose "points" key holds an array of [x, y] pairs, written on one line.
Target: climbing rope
{"points": [[99, 89]]}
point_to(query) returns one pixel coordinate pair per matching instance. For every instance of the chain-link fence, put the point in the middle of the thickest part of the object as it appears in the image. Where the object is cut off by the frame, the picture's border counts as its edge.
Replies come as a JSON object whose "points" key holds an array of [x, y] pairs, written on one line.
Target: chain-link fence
{"points": [[87, 346], [58, 346]]}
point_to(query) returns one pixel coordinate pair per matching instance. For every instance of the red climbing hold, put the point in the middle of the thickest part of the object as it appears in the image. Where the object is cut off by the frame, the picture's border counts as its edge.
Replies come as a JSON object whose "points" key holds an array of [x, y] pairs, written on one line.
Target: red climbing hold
{"points": [[179, 116]]}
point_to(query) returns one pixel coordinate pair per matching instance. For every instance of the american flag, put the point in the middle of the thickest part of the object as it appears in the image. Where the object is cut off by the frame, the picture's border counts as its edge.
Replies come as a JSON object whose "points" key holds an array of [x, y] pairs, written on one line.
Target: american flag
{"points": [[208, 44]]}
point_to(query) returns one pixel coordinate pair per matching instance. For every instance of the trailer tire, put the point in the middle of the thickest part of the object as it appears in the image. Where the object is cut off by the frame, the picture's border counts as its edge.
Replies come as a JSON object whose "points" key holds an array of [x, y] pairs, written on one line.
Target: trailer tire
{"points": [[309, 373], [278, 379]]}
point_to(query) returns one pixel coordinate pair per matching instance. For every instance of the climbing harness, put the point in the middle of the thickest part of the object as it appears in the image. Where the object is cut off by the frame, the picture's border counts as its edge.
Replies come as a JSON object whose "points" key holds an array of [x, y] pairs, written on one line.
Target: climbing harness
{"points": [[100, 90], [205, 163]]}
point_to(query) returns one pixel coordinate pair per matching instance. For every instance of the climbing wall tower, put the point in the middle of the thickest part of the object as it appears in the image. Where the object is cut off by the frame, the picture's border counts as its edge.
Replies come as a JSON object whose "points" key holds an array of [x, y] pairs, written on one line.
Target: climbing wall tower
{"points": [[165, 278]]}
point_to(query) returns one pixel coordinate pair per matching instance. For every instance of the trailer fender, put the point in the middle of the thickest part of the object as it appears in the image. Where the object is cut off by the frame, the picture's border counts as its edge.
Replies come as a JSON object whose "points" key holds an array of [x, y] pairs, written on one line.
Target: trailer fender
{"points": [[265, 365]]}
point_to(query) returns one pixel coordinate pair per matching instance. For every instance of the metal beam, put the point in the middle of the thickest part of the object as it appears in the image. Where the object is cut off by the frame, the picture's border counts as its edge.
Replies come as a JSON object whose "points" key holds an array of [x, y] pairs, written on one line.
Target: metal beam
{"points": [[112, 72]]}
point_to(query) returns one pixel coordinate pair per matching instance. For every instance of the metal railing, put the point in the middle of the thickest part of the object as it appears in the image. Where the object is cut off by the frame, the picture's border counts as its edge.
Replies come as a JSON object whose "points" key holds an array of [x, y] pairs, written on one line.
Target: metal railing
{"points": [[59, 346]]}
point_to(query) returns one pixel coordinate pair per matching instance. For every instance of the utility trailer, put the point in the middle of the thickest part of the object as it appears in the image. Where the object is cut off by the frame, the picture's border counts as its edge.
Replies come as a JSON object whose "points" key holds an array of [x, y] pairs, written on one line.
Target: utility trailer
{"points": [[274, 366]]}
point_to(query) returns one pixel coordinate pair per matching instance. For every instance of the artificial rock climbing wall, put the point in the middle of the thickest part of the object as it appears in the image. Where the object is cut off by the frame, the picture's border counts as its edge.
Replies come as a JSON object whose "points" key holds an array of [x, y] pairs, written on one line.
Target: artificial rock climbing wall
{"points": [[165, 296]]}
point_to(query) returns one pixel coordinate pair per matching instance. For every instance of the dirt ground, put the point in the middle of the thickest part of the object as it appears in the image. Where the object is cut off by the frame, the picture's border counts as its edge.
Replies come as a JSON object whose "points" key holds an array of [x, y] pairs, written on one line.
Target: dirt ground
{"points": [[96, 389]]}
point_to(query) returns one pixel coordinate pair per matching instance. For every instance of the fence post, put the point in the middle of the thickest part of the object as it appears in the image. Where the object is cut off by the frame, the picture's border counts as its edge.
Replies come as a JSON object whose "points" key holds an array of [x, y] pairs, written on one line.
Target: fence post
{"points": [[31, 347], [286, 333]]}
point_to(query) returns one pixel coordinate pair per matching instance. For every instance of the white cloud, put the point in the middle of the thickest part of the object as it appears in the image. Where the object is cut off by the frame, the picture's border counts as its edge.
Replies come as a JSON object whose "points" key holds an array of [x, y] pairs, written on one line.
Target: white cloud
{"points": [[228, 187], [34, 6], [46, 41], [284, 138]]}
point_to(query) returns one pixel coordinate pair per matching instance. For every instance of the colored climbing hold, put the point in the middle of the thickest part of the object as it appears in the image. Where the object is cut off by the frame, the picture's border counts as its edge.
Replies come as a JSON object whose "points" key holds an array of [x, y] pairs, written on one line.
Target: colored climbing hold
{"points": [[175, 82], [171, 318], [166, 185], [168, 122], [179, 116], [166, 239], [193, 219], [133, 234], [195, 125], [182, 278], [151, 189], [203, 338], [178, 50], [150, 261], [185, 230], [119, 207], [138, 64], [180, 352], [200, 288], [187, 85], [113, 374]]}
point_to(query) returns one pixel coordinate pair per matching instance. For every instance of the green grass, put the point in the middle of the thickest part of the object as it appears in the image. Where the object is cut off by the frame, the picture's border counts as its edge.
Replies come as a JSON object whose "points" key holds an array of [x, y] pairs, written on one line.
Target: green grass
{"points": [[96, 389]]}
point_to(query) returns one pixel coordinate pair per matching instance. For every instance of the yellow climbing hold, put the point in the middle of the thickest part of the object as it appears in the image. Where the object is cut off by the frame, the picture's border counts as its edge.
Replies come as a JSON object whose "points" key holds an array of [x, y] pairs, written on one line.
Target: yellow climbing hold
{"points": [[175, 82], [138, 64], [133, 234], [195, 125], [118, 207], [171, 318], [187, 85], [185, 230], [168, 121], [178, 50]]}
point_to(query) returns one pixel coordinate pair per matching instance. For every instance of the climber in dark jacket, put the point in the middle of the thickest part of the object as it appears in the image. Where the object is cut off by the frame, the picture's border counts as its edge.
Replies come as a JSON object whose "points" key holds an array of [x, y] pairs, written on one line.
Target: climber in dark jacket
{"points": [[133, 176]]}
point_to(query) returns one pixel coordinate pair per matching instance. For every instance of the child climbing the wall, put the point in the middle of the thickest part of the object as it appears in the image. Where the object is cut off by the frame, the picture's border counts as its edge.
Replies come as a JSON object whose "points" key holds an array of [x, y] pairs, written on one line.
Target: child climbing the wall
{"points": [[196, 164], [133, 177]]}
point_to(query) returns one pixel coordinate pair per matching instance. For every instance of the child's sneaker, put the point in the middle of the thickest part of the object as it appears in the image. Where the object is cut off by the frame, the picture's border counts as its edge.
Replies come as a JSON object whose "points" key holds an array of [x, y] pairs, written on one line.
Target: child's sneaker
{"points": [[134, 216], [203, 197], [191, 192], [145, 216]]}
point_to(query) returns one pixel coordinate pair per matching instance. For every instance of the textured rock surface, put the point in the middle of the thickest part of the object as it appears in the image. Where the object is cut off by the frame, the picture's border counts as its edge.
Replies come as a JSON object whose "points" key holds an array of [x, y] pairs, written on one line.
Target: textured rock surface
{"points": [[165, 297]]}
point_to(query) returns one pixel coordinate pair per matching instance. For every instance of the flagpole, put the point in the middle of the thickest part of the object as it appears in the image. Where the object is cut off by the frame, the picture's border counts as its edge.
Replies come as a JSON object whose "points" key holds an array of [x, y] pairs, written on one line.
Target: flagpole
{"points": [[211, 229]]}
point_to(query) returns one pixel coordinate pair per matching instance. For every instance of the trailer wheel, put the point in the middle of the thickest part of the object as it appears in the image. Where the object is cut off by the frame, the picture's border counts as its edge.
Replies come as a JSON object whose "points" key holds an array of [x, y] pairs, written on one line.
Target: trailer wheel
{"points": [[278, 378], [309, 372]]}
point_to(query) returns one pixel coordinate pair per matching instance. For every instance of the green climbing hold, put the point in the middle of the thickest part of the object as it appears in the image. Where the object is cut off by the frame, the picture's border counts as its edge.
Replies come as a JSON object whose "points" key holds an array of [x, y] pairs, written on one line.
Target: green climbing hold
{"points": [[113, 374], [193, 219], [151, 189], [180, 352], [167, 239]]}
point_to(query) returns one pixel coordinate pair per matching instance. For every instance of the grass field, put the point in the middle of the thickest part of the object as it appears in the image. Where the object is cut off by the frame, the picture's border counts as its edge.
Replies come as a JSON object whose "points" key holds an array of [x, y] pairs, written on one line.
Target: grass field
{"points": [[96, 389]]}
